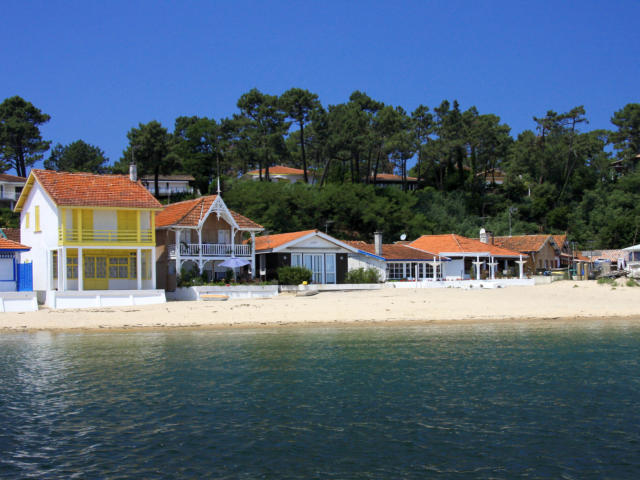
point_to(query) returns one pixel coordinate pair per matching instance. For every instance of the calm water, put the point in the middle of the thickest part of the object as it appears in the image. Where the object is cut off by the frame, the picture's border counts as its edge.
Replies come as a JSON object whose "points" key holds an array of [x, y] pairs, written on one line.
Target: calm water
{"points": [[428, 402]]}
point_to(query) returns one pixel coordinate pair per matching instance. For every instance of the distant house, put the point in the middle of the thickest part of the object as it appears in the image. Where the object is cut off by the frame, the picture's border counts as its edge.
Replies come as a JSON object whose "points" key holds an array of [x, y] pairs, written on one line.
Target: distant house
{"points": [[391, 180], [325, 256], [493, 176], [395, 261], [168, 185], [201, 232], [10, 189], [470, 258], [280, 173], [615, 259], [633, 262]]}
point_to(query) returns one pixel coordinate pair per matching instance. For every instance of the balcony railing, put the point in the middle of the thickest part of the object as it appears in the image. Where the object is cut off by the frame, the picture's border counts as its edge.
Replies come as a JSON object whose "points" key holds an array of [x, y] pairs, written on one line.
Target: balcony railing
{"points": [[210, 250], [105, 236]]}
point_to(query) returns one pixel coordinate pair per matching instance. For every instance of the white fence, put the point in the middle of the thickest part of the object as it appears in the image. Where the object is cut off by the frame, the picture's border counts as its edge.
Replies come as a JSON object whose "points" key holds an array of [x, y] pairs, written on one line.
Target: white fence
{"points": [[103, 298], [210, 250]]}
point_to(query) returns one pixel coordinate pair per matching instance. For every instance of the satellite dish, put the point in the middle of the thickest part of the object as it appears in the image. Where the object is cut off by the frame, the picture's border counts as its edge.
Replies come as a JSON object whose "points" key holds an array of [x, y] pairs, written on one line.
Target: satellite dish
{"points": [[403, 237]]}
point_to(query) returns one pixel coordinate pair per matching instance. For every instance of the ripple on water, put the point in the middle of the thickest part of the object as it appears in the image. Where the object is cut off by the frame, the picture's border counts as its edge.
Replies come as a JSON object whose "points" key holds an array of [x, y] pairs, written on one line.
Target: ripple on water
{"points": [[463, 402]]}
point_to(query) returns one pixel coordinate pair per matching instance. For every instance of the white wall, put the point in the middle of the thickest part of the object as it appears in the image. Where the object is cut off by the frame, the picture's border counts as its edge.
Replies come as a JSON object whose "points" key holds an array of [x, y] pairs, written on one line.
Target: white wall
{"points": [[454, 268], [357, 260], [42, 242]]}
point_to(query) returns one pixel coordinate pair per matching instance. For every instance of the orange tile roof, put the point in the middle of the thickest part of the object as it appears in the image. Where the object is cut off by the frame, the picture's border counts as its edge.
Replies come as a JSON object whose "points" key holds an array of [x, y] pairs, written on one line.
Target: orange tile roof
{"points": [[390, 177], [452, 244], [5, 177], [11, 233], [522, 243], [268, 242], [279, 170], [189, 213], [393, 251], [11, 245], [560, 239], [90, 190]]}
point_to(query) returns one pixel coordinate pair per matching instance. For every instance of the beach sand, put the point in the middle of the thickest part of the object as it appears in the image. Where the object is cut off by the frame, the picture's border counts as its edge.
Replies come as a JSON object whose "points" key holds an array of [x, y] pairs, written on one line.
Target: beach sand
{"points": [[560, 301]]}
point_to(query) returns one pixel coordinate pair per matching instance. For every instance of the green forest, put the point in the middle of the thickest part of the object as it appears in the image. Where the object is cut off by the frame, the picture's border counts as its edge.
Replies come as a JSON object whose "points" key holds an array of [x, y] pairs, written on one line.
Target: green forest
{"points": [[559, 176]]}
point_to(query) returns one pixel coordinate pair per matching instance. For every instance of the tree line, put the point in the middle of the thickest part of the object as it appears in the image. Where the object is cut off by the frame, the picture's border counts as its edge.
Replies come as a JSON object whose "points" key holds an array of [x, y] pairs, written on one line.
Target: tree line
{"points": [[558, 176]]}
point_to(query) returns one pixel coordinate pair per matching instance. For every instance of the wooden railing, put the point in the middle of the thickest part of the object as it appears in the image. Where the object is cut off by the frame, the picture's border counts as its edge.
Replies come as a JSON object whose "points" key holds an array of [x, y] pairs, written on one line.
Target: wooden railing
{"points": [[211, 250], [104, 236]]}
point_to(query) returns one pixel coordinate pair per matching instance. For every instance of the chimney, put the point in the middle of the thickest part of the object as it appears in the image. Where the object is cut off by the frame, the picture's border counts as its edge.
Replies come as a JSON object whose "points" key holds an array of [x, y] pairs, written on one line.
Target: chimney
{"points": [[133, 172], [377, 241], [484, 238]]}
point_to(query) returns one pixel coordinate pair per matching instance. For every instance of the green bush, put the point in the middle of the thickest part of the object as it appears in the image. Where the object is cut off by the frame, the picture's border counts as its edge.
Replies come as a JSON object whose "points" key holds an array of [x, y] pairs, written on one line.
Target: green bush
{"points": [[191, 277], [293, 275], [360, 275], [632, 283], [606, 281]]}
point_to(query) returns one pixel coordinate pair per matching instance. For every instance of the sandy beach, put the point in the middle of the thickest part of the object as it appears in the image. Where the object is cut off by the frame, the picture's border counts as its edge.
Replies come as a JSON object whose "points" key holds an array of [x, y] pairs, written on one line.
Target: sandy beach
{"points": [[565, 300]]}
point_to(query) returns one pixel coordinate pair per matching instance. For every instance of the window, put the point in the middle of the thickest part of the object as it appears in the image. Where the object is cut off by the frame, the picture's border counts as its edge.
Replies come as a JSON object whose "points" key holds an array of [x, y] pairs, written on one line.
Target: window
{"points": [[296, 259], [54, 264], [330, 268], [224, 236], [395, 271], [72, 268], [37, 218], [118, 267]]}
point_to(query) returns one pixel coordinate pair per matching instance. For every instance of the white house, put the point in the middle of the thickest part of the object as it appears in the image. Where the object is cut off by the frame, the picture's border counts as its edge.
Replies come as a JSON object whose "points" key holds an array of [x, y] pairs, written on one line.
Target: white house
{"points": [[89, 233], [10, 188], [168, 185], [280, 173]]}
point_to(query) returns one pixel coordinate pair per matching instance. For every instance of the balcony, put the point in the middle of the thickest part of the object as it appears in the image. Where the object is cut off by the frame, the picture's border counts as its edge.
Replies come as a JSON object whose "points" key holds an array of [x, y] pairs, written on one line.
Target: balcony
{"points": [[70, 236], [210, 250]]}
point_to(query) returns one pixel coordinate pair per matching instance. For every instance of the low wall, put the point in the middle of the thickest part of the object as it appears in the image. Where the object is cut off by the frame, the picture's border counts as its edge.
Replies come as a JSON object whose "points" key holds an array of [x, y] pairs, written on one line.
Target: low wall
{"points": [[18, 302], [465, 284], [232, 291], [103, 298], [332, 287]]}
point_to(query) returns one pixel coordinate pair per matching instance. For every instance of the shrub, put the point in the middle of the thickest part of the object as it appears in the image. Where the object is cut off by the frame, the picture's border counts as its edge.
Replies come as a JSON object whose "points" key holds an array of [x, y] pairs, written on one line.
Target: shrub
{"points": [[606, 281], [360, 275], [191, 277], [293, 275], [632, 283]]}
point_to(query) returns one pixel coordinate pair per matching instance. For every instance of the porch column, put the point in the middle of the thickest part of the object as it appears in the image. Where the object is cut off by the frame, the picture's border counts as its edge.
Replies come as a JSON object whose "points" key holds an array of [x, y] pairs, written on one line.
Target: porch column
{"points": [[492, 266], [59, 282], [233, 242], [478, 263], [139, 268], [521, 265], [152, 255], [178, 260], [63, 260], [253, 254], [200, 249], [49, 270], [80, 270], [404, 270], [435, 269]]}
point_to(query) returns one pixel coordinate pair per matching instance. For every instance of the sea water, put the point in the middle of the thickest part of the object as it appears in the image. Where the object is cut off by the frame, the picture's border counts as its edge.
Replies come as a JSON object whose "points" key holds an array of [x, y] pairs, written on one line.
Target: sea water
{"points": [[484, 401]]}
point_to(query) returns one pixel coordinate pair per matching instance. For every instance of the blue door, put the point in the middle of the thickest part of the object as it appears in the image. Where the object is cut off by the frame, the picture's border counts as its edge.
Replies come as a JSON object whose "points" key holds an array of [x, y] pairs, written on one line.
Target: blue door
{"points": [[25, 277]]}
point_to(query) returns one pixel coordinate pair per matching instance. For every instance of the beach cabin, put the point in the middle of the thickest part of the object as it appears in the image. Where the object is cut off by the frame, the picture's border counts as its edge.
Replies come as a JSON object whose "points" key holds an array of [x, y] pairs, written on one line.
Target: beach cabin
{"points": [[202, 233], [542, 252], [325, 256], [394, 261], [92, 238], [470, 258]]}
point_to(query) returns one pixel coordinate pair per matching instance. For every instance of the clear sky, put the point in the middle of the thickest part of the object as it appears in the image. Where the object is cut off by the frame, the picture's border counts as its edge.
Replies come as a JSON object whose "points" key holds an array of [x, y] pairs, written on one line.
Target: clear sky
{"points": [[101, 67]]}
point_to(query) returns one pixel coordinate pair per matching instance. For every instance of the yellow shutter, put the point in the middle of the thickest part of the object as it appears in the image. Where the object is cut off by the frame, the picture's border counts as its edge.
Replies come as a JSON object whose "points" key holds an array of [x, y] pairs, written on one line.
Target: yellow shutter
{"points": [[26, 220], [127, 224], [37, 219], [87, 219]]}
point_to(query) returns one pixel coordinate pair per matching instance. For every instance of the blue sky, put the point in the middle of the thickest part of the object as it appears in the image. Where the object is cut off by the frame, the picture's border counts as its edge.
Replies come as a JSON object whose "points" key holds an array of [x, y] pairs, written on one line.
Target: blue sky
{"points": [[100, 68]]}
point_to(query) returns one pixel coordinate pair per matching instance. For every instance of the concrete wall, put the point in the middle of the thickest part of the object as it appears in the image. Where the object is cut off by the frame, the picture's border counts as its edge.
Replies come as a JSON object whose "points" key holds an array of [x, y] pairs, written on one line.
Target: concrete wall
{"points": [[357, 261], [18, 302], [103, 298]]}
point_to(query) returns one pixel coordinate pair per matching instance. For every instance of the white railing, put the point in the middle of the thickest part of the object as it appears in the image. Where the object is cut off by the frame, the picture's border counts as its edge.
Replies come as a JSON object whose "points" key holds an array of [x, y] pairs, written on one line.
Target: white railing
{"points": [[210, 250]]}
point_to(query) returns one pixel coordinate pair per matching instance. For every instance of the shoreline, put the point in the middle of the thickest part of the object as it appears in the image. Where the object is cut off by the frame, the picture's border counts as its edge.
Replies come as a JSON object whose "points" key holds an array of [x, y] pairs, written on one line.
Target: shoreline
{"points": [[560, 302]]}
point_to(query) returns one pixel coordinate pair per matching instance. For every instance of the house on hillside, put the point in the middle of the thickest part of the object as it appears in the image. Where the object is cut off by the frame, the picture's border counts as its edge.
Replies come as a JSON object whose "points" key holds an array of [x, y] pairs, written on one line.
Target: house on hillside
{"points": [[202, 232], [325, 256], [471, 258], [10, 189], [89, 233], [280, 173], [391, 180], [168, 185], [395, 261]]}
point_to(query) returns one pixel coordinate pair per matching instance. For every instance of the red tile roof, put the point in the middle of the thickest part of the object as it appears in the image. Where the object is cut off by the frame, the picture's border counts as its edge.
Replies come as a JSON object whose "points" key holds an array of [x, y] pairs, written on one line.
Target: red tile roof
{"points": [[390, 177], [189, 213], [268, 242], [278, 170], [393, 251], [90, 190], [451, 243], [11, 245], [560, 240], [522, 243], [5, 177], [11, 233]]}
